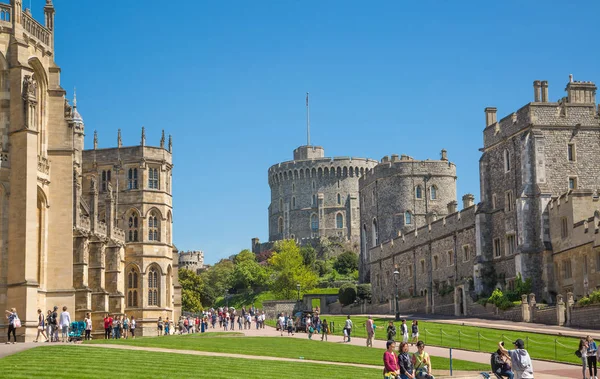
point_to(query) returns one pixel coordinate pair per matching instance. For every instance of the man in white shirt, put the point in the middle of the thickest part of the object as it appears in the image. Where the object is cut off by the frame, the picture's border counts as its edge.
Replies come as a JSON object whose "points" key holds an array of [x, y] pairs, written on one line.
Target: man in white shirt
{"points": [[281, 322], [348, 326], [64, 323]]}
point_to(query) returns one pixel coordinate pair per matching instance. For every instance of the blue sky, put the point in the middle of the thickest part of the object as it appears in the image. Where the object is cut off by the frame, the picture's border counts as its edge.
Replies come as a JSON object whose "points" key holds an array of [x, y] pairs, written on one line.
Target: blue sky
{"points": [[228, 79]]}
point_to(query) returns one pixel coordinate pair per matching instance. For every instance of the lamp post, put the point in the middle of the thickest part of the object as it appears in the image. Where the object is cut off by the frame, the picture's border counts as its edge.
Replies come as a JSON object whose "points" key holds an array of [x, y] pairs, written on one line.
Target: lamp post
{"points": [[396, 275], [298, 288]]}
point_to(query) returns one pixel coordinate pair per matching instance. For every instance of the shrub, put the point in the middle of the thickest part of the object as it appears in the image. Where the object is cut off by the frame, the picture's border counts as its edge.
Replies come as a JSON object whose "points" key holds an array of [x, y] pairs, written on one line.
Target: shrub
{"points": [[363, 291], [346, 263], [347, 294], [500, 300], [584, 301]]}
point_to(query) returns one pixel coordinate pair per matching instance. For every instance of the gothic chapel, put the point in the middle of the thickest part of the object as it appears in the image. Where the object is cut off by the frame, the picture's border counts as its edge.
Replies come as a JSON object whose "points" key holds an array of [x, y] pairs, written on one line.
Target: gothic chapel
{"points": [[90, 230]]}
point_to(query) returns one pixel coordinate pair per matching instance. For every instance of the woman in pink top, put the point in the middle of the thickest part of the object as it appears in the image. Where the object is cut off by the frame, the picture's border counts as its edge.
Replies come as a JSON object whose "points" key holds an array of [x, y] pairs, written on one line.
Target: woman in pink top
{"points": [[390, 361]]}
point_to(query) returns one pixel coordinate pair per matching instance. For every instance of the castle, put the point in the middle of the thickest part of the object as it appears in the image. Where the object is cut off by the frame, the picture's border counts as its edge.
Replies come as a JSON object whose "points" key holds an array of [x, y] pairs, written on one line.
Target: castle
{"points": [[539, 183], [314, 196], [192, 260], [91, 230], [530, 159]]}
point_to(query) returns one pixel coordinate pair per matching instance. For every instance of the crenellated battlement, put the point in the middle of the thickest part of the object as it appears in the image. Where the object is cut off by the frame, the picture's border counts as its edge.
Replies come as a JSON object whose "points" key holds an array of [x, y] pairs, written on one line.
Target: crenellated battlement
{"points": [[434, 230], [405, 165], [577, 109], [335, 167]]}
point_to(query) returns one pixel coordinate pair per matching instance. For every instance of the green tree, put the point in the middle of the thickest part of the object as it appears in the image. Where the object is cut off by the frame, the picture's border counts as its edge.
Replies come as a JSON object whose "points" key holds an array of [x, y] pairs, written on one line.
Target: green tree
{"points": [[309, 256], [288, 269], [346, 263], [247, 273], [191, 290], [219, 277], [347, 293], [363, 291], [323, 268]]}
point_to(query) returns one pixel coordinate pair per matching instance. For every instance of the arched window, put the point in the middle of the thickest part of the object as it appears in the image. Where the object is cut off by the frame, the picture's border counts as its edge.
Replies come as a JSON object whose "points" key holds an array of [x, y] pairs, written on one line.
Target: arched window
{"points": [[506, 161], [153, 286], [132, 227], [407, 218], [314, 222], [105, 179], [280, 225], [419, 192], [132, 179], [375, 233], [153, 178], [339, 221], [339, 199], [132, 288], [153, 227], [433, 192]]}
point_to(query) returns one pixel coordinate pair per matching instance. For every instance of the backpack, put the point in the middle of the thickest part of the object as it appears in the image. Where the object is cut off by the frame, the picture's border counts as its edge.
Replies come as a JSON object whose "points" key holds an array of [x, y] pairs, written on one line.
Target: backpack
{"points": [[495, 362]]}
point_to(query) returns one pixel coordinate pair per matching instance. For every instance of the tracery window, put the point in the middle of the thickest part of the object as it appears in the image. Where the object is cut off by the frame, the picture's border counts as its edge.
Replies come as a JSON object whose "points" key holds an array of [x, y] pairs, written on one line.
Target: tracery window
{"points": [[132, 288], [153, 286], [132, 178], [153, 227]]}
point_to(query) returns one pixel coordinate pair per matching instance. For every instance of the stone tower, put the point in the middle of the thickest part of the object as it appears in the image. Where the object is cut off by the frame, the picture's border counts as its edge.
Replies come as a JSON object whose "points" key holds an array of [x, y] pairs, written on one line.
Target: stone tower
{"points": [[536, 153], [141, 207], [401, 194], [314, 196]]}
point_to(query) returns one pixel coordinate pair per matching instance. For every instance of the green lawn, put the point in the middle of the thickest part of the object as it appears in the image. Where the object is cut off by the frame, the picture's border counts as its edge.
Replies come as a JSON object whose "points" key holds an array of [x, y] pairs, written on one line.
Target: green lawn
{"points": [[540, 346], [282, 347], [69, 361]]}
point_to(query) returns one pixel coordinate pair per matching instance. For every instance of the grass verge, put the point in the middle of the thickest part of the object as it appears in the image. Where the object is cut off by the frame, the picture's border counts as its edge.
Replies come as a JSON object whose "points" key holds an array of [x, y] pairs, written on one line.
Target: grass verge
{"points": [[283, 348]]}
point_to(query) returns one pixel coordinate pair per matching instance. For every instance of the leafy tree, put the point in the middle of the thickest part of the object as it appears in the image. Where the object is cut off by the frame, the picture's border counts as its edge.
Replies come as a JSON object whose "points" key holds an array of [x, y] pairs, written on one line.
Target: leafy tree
{"points": [[347, 293], [288, 269], [219, 277], [346, 263], [247, 273], [309, 256], [323, 268], [191, 290]]}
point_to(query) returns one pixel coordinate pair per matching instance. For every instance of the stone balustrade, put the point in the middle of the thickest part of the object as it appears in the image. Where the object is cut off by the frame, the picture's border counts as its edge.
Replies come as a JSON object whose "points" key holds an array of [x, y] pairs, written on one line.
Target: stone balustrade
{"points": [[35, 29]]}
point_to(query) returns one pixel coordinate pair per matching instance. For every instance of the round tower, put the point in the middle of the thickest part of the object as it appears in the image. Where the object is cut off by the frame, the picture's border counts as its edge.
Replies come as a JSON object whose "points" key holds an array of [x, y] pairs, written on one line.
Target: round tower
{"points": [[314, 196], [401, 194]]}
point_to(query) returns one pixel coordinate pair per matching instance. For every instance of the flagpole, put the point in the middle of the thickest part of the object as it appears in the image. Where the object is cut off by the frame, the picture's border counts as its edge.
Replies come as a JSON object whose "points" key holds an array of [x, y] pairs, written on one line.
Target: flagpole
{"points": [[307, 121]]}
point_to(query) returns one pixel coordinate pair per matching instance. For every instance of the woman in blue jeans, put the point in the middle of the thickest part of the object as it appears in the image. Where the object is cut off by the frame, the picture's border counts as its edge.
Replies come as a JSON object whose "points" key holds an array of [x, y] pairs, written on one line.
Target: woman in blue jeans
{"points": [[405, 362]]}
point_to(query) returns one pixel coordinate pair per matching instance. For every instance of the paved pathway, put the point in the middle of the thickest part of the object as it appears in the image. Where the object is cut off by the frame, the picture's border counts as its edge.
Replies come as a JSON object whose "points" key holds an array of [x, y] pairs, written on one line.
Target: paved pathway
{"points": [[6, 350], [503, 324], [543, 369]]}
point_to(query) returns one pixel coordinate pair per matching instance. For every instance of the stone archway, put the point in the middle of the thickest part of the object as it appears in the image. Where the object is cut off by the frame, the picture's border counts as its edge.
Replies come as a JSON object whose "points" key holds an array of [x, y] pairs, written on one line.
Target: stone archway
{"points": [[460, 301]]}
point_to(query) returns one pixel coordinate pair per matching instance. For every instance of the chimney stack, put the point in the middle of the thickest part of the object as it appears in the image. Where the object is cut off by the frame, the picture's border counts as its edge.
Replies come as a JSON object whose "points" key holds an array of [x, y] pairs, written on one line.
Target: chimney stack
{"points": [[544, 91], [452, 206], [536, 90], [490, 116], [444, 155], [581, 92], [468, 201]]}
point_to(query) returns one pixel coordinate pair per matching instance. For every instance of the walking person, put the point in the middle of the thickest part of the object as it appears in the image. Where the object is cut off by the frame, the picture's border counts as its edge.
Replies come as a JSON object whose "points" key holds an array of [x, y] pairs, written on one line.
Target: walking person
{"points": [[65, 322], [132, 327], [370, 332], [405, 362], [404, 331], [391, 331], [415, 332], [159, 326], [281, 323], [591, 357], [41, 326], [55, 324], [390, 362], [167, 327], [324, 329], [117, 327], [520, 359], [125, 327], [422, 362], [88, 326], [582, 354], [239, 321], [13, 324], [348, 326], [290, 326], [107, 326], [49, 324]]}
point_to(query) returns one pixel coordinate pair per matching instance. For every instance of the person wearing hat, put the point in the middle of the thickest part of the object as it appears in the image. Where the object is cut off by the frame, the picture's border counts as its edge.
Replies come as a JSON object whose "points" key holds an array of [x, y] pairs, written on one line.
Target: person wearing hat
{"points": [[521, 361]]}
